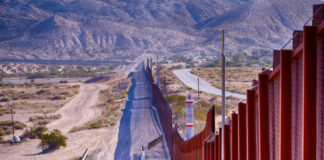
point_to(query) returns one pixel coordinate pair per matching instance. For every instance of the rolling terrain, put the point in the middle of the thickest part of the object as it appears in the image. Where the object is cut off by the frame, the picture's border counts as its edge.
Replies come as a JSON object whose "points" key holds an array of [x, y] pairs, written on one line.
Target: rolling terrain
{"points": [[118, 29]]}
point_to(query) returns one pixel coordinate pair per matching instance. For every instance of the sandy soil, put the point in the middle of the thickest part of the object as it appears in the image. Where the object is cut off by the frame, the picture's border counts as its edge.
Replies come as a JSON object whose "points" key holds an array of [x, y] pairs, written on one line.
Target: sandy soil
{"points": [[79, 110]]}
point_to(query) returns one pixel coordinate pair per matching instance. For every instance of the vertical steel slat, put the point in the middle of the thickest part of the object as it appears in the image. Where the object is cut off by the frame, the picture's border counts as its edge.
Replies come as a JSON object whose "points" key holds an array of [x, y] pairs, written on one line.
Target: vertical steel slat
{"points": [[242, 131], [264, 116], [257, 121], [227, 143], [309, 93], [320, 99], [276, 119], [285, 104], [234, 137], [297, 116], [271, 119], [251, 130]]}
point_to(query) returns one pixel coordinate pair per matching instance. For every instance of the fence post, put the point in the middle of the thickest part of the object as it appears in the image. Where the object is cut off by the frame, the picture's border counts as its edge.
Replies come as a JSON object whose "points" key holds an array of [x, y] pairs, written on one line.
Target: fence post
{"points": [[251, 125], [220, 144], [227, 143], [285, 104], [242, 131], [309, 93], [264, 117], [234, 129], [320, 97], [216, 147]]}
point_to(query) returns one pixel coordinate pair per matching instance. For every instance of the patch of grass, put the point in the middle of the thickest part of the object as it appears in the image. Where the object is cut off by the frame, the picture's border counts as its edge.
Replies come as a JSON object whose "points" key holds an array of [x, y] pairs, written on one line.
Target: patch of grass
{"points": [[58, 98], [178, 103], [95, 125], [6, 126], [200, 109], [43, 92], [43, 120]]}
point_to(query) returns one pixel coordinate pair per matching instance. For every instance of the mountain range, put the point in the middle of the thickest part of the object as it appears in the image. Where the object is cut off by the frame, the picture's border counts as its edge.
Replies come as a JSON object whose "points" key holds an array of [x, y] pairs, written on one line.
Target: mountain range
{"points": [[125, 29]]}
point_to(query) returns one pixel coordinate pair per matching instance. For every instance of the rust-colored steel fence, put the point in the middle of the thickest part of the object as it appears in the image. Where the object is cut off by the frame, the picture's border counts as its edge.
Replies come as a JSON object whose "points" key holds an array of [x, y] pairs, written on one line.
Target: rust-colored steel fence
{"points": [[283, 117], [193, 148]]}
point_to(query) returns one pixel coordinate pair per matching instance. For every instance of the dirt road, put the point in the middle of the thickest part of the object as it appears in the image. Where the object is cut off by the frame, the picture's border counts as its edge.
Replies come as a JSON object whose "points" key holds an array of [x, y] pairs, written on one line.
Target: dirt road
{"points": [[81, 109]]}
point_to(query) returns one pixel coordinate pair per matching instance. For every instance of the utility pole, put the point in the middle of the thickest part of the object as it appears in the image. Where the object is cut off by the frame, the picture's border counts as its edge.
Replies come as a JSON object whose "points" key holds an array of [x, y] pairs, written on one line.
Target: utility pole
{"points": [[12, 120], [198, 88], [223, 92]]}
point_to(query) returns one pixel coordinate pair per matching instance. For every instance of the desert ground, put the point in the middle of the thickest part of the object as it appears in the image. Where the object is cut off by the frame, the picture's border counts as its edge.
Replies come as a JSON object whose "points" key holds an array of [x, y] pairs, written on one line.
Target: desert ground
{"points": [[87, 104], [88, 112]]}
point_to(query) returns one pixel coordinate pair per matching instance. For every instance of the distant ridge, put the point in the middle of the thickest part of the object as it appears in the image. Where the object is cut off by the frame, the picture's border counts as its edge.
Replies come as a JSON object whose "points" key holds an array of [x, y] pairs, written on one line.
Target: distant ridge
{"points": [[124, 29]]}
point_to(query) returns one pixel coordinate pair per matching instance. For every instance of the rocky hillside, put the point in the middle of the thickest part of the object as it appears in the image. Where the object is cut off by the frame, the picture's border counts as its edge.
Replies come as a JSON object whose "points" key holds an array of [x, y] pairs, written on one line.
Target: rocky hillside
{"points": [[114, 29]]}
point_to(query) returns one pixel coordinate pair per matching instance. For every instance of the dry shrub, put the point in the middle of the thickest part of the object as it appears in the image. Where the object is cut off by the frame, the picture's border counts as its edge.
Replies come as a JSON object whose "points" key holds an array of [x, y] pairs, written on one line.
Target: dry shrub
{"points": [[35, 132], [52, 140]]}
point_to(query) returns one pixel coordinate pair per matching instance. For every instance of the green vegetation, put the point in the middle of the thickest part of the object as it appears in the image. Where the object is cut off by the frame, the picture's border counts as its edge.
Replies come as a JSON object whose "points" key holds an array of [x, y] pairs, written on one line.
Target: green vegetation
{"points": [[35, 132], [261, 58], [190, 66], [200, 110], [177, 67], [180, 58], [42, 120], [95, 125], [6, 126], [2, 133], [178, 103], [52, 140]]}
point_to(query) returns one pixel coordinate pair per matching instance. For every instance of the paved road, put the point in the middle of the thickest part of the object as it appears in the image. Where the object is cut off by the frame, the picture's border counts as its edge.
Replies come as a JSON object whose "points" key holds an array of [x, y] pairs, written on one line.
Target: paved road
{"points": [[139, 123], [190, 80]]}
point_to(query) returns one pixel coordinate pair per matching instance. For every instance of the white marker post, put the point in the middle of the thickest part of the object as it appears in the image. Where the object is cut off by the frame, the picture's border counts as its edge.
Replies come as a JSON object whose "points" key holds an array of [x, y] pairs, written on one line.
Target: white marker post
{"points": [[189, 118]]}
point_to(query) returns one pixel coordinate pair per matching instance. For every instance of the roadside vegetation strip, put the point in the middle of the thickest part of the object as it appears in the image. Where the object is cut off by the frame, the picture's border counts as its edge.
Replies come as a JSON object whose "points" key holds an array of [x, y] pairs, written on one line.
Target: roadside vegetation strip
{"points": [[43, 120], [241, 76]]}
